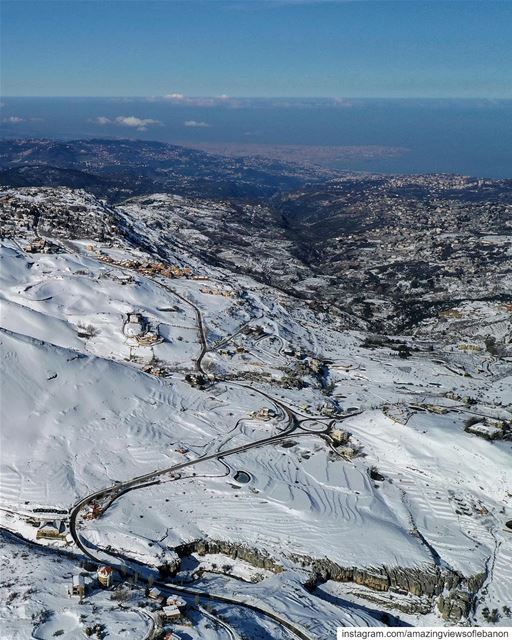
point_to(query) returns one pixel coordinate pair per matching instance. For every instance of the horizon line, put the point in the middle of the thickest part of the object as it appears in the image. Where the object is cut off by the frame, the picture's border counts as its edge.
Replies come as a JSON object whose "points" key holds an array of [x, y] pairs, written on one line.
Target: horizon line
{"points": [[221, 99]]}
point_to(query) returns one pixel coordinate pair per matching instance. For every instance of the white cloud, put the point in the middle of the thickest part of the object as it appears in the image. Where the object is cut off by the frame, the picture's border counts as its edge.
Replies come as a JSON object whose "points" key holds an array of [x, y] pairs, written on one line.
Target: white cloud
{"points": [[175, 96], [141, 124], [13, 120], [102, 120], [138, 123], [198, 124]]}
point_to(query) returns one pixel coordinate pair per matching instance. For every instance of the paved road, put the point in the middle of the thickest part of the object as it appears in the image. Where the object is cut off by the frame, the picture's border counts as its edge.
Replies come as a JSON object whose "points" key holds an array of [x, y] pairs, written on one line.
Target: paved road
{"points": [[220, 623], [199, 320]]}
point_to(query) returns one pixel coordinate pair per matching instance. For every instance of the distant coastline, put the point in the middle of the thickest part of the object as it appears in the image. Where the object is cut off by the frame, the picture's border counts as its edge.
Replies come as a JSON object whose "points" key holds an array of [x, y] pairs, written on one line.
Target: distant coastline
{"points": [[405, 136]]}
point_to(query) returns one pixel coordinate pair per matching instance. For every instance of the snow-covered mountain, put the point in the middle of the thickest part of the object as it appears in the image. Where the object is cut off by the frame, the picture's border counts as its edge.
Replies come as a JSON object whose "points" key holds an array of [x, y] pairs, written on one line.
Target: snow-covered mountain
{"points": [[178, 420]]}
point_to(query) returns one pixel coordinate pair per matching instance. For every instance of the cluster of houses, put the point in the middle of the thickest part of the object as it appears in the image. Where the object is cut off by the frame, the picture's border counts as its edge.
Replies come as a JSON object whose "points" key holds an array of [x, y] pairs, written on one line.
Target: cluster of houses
{"points": [[172, 607], [41, 245], [145, 267], [216, 291], [264, 413]]}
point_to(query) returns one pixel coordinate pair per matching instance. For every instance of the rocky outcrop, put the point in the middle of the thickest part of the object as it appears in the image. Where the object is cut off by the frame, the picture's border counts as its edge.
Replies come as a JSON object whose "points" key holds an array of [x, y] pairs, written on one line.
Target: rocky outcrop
{"points": [[234, 550], [455, 605], [427, 580], [453, 592]]}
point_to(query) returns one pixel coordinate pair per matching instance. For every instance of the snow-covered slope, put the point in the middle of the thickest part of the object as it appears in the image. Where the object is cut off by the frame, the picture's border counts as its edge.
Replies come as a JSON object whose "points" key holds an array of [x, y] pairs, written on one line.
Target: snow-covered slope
{"points": [[269, 435]]}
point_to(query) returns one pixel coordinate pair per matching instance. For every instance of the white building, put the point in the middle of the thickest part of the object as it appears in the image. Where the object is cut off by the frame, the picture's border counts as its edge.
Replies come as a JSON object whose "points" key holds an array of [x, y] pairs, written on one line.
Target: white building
{"points": [[176, 601], [134, 325], [51, 529], [77, 586], [171, 613]]}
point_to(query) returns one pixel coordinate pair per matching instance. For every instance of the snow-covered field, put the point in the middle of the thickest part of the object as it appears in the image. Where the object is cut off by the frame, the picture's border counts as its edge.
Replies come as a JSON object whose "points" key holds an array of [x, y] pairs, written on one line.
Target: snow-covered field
{"points": [[87, 402]]}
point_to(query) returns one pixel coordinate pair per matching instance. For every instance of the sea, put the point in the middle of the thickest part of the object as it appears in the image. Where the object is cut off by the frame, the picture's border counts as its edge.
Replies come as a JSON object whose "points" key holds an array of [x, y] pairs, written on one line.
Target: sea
{"points": [[462, 136]]}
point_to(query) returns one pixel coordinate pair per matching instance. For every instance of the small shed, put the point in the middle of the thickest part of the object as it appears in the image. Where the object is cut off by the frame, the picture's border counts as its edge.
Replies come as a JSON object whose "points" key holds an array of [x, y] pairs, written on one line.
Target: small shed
{"points": [[77, 586]]}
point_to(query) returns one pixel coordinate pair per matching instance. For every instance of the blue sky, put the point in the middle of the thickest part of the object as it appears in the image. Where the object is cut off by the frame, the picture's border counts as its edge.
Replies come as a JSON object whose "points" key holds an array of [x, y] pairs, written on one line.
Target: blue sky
{"points": [[437, 48]]}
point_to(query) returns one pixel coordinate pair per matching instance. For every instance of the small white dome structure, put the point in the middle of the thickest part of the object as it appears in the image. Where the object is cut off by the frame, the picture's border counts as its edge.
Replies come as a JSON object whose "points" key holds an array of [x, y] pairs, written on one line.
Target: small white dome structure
{"points": [[134, 325]]}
